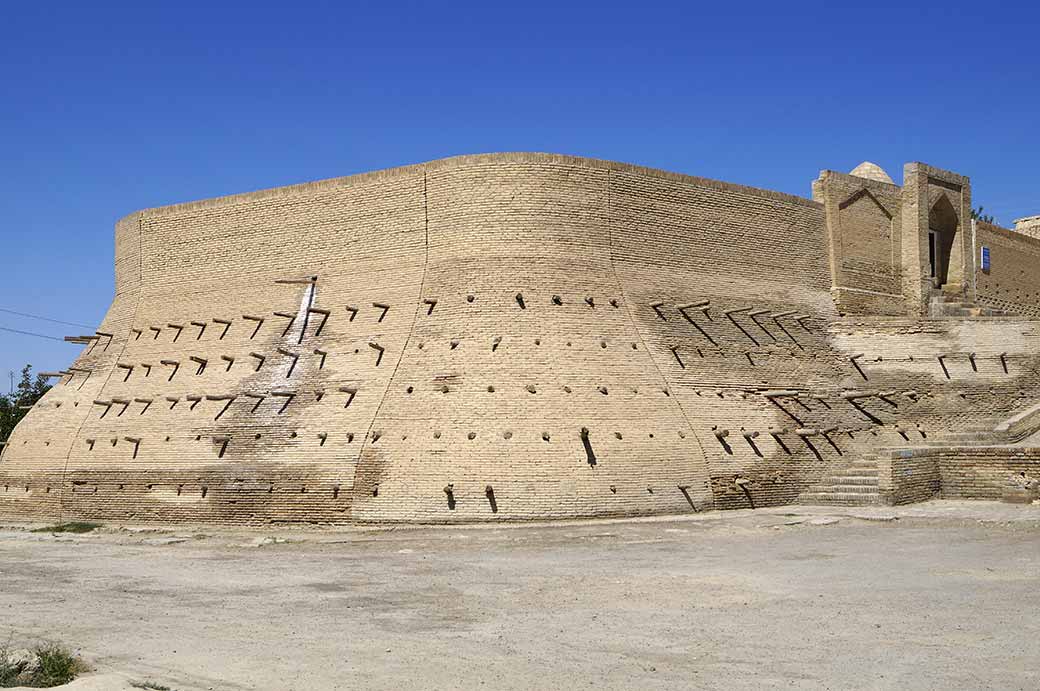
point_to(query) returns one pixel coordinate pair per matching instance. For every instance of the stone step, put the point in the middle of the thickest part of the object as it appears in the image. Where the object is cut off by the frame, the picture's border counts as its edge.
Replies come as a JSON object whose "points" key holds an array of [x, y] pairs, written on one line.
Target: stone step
{"points": [[866, 480], [848, 489], [839, 499]]}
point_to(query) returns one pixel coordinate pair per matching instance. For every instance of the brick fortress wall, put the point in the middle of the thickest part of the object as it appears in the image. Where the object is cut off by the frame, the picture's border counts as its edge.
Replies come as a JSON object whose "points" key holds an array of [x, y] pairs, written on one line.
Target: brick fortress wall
{"points": [[512, 336]]}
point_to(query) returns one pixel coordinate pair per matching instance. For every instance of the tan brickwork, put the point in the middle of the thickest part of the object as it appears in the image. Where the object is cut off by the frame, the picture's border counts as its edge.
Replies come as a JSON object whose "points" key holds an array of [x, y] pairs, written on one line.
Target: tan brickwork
{"points": [[510, 337]]}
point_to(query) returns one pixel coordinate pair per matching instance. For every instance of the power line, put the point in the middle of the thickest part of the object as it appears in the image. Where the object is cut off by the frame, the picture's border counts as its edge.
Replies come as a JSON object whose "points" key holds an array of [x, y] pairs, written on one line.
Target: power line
{"points": [[46, 319], [30, 333]]}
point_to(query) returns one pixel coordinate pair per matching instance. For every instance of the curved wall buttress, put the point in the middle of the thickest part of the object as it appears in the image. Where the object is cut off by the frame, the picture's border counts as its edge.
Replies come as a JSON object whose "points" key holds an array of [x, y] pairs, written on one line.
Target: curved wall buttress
{"points": [[34, 464], [525, 391]]}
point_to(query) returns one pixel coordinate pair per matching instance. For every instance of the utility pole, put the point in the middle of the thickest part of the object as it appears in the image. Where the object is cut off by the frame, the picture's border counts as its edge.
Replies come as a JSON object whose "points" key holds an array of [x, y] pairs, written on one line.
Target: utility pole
{"points": [[10, 375]]}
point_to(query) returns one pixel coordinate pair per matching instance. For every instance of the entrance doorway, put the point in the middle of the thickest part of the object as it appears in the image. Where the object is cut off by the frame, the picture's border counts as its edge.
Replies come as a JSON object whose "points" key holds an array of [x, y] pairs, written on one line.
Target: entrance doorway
{"points": [[944, 251]]}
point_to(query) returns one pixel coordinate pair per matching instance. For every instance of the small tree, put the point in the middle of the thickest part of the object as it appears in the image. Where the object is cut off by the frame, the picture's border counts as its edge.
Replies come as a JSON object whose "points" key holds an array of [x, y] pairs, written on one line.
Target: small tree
{"points": [[30, 390], [978, 215]]}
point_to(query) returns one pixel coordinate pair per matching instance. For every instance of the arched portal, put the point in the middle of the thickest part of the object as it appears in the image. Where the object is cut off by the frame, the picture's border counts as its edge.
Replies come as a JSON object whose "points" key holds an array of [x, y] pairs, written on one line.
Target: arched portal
{"points": [[944, 249]]}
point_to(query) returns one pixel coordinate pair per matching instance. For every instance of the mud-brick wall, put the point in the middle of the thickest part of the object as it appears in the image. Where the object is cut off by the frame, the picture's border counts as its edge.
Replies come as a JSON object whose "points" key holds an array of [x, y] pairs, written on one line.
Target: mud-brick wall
{"points": [[33, 465], [729, 290], [908, 476], [984, 472], [1013, 282], [512, 336], [864, 229]]}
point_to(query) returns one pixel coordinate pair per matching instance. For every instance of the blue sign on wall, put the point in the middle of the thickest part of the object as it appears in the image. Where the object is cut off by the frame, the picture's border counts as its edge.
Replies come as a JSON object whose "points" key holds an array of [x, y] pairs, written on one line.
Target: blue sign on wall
{"points": [[985, 259]]}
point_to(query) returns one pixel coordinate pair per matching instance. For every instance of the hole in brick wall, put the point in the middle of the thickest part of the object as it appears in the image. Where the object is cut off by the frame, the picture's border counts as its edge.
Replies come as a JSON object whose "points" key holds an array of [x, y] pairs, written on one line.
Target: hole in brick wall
{"points": [[226, 324], [590, 301], [675, 354], [471, 436], [489, 492], [602, 344], [291, 316], [590, 457], [530, 388], [350, 437], [335, 492], [454, 343], [292, 435], [721, 435], [557, 300], [635, 346], [566, 389], [651, 435], [444, 388], [520, 301], [538, 341], [205, 491], [379, 352], [545, 436], [376, 436], [602, 390], [613, 489], [351, 393], [410, 389], [507, 435], [470, 298], [618, 435], [436, 435], [491, 389], [614, 303], [685, 489]]}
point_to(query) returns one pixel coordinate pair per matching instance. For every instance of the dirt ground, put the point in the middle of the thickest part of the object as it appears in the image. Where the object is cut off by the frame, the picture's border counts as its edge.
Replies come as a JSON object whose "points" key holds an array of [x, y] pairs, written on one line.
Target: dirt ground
{"points": [[940, 595]]}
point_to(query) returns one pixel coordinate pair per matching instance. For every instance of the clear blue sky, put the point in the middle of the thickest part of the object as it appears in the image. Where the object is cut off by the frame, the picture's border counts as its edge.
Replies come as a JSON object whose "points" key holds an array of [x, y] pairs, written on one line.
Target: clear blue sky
{"points": [[109, 107]]}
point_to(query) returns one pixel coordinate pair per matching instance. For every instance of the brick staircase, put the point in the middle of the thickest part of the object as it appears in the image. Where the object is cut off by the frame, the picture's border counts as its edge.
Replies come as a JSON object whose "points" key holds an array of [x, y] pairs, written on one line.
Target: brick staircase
{"points": [[854, 485], [982, 432], [942, 306], [857, 483]]}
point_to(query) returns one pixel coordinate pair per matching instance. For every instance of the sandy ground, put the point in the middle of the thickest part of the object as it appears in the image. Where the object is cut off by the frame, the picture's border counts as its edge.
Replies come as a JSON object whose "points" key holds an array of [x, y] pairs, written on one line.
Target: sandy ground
{"points": [[940, 595]]}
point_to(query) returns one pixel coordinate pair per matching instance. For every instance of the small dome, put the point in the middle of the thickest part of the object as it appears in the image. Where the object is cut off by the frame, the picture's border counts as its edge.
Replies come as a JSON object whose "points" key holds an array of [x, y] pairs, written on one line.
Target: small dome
{"points": [[871, 171]]}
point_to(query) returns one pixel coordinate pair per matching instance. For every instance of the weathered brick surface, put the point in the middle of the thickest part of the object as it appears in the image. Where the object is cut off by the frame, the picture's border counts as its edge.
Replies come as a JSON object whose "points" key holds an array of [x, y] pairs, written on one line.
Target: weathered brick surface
{"points": [[1013, 282], [512, 336]]}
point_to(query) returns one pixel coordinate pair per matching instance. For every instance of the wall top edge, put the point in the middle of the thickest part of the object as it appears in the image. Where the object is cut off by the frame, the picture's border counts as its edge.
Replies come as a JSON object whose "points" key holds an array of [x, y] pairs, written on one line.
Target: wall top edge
{"points": [[864, 182], [938, 173], [1015, 235], [468, 160]]}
